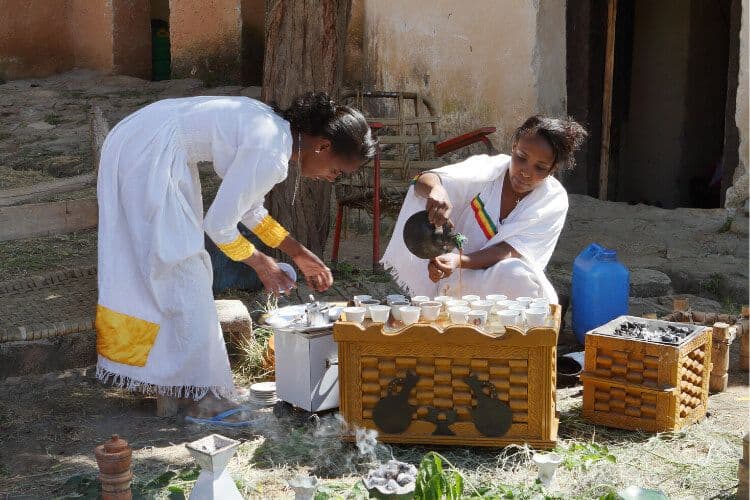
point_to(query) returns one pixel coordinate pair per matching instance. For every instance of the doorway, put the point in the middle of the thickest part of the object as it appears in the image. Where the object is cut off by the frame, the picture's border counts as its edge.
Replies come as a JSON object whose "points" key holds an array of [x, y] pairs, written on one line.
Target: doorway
{"points": [[670, 94], [160, 47]]}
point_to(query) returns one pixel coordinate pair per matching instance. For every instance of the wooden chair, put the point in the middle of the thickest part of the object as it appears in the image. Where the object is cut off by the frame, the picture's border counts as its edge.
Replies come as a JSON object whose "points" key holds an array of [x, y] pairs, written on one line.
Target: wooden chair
{"points": [[408, 134]]}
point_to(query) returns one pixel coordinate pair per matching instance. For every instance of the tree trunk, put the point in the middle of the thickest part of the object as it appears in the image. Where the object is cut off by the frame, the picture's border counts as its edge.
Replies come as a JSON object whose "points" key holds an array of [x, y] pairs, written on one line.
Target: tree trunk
{"points": [[304, 51]]}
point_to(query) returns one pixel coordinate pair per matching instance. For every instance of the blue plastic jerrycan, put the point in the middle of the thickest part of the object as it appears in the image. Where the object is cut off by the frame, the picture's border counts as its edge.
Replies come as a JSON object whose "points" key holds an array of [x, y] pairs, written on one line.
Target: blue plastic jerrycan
{"points": [[601, 286]]}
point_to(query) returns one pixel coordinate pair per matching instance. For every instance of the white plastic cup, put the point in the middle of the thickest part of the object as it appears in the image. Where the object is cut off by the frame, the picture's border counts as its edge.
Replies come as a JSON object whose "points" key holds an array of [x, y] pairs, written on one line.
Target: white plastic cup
{"points": [[471, 298], [289, 271], [379, 314], [430, 310], [521, 309], [524, 301], [503, 304], [482, 305], [355, 314], [443, 299], [543, 301], [477, 317], [456, 303], [417, 300], [410, 314], [394, 298], [366, 303], [535, 317], [396, 308], [495, 297], [357, 299], [458, 314], [509, 317]]}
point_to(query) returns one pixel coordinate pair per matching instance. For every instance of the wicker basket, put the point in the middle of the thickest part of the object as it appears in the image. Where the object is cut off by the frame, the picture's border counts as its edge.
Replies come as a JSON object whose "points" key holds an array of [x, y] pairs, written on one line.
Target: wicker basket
{"points": [[649, 386], [429, 378]]}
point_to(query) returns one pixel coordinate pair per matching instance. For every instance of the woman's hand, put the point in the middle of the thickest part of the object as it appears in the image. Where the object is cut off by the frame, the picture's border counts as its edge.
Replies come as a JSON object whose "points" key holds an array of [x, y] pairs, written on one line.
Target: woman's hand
{"points": [[270, 274], [316, 273], [443, 266], [438, 206]]}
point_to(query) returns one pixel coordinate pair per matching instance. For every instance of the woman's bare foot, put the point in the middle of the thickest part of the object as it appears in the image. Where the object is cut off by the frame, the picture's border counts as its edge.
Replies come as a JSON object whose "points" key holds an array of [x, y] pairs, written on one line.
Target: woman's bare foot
{"points": [[210, 406]]}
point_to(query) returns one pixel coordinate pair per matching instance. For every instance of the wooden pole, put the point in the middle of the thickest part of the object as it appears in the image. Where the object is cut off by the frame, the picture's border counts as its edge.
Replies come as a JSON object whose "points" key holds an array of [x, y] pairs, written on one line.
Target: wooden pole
{"points": [[609, 66], [720, 340]]}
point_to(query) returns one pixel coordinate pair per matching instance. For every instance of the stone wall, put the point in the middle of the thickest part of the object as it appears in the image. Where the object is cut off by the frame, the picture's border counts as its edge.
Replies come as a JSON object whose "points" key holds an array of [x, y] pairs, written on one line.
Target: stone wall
{"points": [[34, 39], [737, 195], [43, 37], [491, 63], [205, 36]]}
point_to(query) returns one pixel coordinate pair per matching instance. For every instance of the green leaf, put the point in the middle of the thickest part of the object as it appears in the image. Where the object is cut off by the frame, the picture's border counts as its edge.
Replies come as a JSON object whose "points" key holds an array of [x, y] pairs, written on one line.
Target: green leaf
{"points": [[160, 481]]}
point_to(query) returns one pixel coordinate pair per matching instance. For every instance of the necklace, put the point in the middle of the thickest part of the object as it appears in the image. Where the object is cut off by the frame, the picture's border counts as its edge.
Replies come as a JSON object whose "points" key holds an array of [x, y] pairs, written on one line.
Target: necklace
{"points": [[299, 167]]}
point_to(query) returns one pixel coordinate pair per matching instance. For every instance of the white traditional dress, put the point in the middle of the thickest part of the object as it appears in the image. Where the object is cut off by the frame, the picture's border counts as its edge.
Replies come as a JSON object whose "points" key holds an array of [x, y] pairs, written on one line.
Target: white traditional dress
{"points": [[474, 187], [157, 326]]}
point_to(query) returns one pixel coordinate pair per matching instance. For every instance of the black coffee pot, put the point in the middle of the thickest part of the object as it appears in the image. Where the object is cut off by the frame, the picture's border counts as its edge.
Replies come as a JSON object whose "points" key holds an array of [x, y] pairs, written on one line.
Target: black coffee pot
{"points": [[426, 241]]}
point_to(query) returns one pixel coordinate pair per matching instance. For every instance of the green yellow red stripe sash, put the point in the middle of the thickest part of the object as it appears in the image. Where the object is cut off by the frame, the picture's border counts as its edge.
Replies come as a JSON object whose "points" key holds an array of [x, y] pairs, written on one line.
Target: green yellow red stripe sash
{"points": [[483, 218]]}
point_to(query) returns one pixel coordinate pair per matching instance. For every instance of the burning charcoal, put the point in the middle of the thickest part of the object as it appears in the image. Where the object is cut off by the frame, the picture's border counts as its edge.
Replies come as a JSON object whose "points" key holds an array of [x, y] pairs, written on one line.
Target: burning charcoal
{"points": [[392, 485], [403, 479]]}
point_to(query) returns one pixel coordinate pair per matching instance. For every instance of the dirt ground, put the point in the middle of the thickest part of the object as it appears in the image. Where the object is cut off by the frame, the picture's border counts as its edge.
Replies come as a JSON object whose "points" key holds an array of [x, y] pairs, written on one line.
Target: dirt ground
{"points": [[49, 424]]}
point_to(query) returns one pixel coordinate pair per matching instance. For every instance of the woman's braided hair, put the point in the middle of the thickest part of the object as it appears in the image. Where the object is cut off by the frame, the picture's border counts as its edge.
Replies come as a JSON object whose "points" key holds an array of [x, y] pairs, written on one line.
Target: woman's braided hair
{"points": [[564, 135], [316, 114]]}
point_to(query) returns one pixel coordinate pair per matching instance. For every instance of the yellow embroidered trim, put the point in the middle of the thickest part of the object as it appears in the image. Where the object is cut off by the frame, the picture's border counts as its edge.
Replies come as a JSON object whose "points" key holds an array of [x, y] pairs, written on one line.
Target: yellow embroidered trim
{"points": [[122, 338], [239, 249], [270, 232]]}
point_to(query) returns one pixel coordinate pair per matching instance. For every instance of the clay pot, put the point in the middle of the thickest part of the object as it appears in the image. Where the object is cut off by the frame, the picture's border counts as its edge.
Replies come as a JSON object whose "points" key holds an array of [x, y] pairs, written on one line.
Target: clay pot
{"points": [[568, 370], [427, 241], [114, 458]]}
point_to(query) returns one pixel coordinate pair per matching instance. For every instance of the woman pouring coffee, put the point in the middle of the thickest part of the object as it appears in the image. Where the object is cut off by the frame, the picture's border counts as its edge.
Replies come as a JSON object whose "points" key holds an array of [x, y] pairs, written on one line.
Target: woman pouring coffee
{"points": [[510, 208], [156, 322]]}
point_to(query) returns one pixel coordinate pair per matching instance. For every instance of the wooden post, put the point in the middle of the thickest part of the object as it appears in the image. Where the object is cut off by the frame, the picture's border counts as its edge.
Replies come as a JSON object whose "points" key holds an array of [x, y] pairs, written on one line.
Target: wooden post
{"points": [[744, 339], [742, 472], [609, 66], [680, 305], [720, 340], [166, 406]]}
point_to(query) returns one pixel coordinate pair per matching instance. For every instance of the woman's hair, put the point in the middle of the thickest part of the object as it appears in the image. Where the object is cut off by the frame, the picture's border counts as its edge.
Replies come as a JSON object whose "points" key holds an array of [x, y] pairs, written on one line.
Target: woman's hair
{"points": [[314, 113], [564, 135]]}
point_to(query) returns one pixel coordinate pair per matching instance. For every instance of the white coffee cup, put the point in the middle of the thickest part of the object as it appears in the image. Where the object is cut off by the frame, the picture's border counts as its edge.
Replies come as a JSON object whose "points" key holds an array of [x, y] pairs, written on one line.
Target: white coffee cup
{"points": [[477, 317], [379, 314], [503, 304], [394, 298], [396, 308], [430, 310], [540, 303], [410, 314], [524, 301], [355, 314], [456, 303], [482, 305], [535, 317], [357, 299], [520, 308], [470, 298], [443, 299], [496, 297], [418, 299], [509, 317], [366, 303], [458, 314]]}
